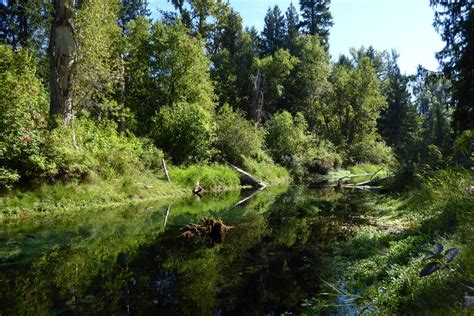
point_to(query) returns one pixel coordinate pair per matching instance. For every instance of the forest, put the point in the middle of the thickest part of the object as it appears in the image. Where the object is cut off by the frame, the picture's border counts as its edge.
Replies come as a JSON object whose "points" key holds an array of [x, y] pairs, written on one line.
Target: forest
{"points": [[97, 95]]}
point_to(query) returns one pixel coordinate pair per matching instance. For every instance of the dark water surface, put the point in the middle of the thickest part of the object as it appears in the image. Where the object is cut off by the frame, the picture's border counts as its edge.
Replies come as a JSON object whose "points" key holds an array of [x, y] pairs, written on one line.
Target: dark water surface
{"points": [[133, 260]]}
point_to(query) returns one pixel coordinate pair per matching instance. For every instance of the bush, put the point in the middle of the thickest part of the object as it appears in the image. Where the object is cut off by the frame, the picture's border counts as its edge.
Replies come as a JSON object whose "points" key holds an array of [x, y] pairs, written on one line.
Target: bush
{"points": [[464, 143], [186, 132], [322, 158], [291, 145], [23, 108], [371, 151], [88, 147], [287, 138], [237, 137]]}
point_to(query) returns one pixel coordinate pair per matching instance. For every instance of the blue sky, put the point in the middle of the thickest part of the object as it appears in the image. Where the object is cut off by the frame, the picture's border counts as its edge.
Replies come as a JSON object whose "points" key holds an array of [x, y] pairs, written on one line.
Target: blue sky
{"points": [[404, 25]]}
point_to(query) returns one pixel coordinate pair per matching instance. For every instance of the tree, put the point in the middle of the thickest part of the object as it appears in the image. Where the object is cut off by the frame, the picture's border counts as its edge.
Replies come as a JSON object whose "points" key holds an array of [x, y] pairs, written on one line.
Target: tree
{"points": [[316, 18], [395, 90], [63, 57], [168, 67], [97, 70], [357, 102], [308, 84], [454, 20], [131, 9], [292, 28], [196, 15], [432, 99], [23, 23], [233, 52], [273, 34], [277, 69]]}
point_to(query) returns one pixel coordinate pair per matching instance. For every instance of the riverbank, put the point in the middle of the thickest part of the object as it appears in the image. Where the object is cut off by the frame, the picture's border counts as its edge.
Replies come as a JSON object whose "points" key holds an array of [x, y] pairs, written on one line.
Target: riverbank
{"points": [[378, 269], [94, 192]]}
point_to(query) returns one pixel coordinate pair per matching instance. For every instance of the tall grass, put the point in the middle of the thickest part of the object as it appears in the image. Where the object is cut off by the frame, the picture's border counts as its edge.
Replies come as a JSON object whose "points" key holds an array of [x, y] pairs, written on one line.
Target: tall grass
{"points": [[211, 178], [267, 171]]}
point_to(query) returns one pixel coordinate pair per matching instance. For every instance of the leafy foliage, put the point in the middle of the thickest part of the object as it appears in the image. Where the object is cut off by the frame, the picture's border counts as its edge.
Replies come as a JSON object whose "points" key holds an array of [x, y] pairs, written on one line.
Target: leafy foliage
{"points": [[167, 66], [186, 132], [97, 70], [23, 111], [237, 137], [89, 148]]}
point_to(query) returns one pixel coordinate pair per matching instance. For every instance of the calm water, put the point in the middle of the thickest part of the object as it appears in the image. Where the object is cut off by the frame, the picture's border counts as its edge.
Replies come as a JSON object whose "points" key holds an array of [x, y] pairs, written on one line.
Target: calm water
{"points": [[134, 261]]}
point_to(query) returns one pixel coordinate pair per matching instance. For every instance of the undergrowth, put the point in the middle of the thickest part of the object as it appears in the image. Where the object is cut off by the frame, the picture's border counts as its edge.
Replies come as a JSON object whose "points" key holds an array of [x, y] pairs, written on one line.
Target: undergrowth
{"points": [[383, 259]]}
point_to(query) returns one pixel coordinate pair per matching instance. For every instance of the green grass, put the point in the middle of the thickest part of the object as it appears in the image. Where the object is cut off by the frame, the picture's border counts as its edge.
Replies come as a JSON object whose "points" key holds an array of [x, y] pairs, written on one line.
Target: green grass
{"points": [[383, 259], [268, 172], [212, 178], [96, 193]]}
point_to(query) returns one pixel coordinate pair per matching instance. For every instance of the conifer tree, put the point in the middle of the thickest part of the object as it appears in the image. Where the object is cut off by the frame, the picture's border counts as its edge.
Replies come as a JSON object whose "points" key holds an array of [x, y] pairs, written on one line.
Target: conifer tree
{"points": [[273, 35], [316, 18]]}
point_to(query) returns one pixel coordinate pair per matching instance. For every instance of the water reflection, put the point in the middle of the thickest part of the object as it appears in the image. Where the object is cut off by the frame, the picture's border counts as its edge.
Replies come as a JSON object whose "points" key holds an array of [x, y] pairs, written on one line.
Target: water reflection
{"points": [[135, 261]]}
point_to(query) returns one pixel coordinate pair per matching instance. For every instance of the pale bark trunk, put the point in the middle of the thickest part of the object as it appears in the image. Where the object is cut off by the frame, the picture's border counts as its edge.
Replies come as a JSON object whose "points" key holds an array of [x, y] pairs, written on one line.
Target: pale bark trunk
{"points": [[256, 107], [62, 51]]}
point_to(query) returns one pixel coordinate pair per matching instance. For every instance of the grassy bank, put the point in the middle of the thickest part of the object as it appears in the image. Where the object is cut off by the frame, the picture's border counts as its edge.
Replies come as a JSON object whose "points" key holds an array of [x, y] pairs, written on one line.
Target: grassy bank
{"points": [[378, 269], [95, 192]]}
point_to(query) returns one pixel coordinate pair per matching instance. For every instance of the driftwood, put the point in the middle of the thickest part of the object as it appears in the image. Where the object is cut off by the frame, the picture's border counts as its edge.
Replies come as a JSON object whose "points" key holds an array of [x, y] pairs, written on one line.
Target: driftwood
{"points": [[166, 170], [212, 230], [365, 185], [372, 182], [247, 178]]}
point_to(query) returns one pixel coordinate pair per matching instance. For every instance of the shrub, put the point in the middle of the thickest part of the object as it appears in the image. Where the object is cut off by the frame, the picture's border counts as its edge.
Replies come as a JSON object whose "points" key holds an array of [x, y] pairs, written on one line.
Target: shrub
{"points": [[371, 151], [87, 147], [464, 143], [23, 108], [291, 145], [186, 132], [237, 137], [287, 138]]}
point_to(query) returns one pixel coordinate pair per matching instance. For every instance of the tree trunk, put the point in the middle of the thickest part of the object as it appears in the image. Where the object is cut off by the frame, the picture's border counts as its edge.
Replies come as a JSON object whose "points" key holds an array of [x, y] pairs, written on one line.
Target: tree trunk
{"points": [[62, 58], [246, 178], [256, 106]]}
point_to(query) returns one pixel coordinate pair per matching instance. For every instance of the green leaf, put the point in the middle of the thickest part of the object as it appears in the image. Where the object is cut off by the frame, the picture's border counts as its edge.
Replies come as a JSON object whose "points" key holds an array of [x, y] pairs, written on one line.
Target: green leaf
{"points": [[430, 268], [450, 254], [438, 248], [429, 255]]}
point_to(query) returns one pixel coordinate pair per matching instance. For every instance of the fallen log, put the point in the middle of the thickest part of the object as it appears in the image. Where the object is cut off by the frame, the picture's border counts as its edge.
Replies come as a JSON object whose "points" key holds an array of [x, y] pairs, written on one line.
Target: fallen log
{"points": [[246, 178], [372, 182]]}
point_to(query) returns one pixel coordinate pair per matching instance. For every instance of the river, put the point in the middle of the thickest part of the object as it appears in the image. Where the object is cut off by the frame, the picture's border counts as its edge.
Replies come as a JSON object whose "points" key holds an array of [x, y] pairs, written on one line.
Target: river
{"points": [[278, 254]]}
